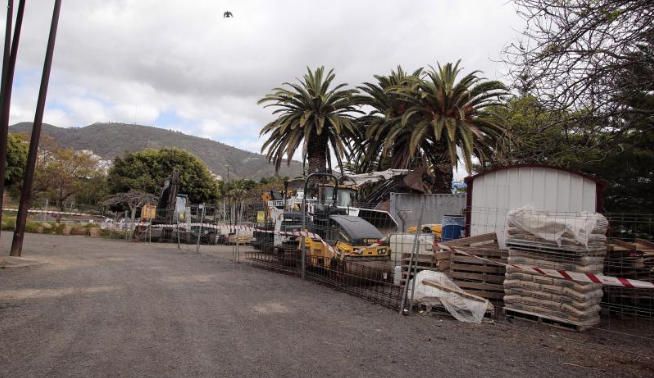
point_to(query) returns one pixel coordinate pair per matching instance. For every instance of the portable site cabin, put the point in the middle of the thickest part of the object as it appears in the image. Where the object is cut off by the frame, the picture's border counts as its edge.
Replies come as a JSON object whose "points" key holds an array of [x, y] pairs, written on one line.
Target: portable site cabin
{"points": [[492, 193]]}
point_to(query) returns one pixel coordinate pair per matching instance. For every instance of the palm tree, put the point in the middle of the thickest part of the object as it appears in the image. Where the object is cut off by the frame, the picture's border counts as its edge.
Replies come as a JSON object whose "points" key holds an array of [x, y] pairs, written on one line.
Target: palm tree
{"points": [[379, 148], [314, 113], [449, 120]]}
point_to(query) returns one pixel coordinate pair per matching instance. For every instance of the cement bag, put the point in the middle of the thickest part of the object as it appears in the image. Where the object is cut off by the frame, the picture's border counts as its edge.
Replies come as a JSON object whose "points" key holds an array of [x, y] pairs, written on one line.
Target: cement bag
{"points": [[556, 227], [461, 307]]}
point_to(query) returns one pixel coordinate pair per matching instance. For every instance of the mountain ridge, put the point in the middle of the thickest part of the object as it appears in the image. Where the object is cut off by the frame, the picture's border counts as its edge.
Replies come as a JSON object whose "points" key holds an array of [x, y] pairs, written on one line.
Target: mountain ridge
{"points": [[110, 140]]}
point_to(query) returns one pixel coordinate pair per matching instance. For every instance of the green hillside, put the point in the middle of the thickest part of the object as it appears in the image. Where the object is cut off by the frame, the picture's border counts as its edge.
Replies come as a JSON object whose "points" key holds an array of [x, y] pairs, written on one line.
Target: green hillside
{"points": [[114, 139]]}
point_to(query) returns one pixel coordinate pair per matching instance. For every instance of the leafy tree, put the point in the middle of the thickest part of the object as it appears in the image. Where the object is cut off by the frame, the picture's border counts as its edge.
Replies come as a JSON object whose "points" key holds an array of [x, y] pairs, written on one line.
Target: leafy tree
{"points": [[16, 160], [146, 170], [93, 191], [614, 143], [627, 167], [313, 113], [535, 134], [65, 173], [133, 199], [624, 162], [575, 53], [448, 113], [628, 156]]}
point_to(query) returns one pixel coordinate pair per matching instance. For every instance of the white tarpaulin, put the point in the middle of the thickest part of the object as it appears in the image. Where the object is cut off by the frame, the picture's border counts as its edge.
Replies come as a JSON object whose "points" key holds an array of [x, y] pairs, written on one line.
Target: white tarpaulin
{"points": [[561, 228], [435, 288], [364, 178]]}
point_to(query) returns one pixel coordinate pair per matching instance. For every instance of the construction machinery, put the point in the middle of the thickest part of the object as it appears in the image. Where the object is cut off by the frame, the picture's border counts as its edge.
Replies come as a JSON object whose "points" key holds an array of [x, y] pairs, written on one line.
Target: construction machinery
{"points": [[276, 227], [171, 207], [346, 198], [340, 239], [171, 219], [335, 230]]}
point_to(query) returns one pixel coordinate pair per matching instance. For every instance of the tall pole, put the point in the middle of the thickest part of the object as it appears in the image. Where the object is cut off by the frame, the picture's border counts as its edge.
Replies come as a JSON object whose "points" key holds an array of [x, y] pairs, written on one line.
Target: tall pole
{"points": [[7, 49], [197, 247], [412, 261], [26, 192], [4, 132], [8, 68]]}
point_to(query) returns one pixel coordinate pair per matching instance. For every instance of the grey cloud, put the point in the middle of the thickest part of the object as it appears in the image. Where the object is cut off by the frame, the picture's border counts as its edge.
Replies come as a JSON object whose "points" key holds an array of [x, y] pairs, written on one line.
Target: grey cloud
{"points": [[183, 56]]}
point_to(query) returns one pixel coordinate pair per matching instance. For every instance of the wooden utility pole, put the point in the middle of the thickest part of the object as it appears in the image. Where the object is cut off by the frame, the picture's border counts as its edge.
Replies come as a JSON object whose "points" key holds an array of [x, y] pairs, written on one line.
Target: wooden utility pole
{"points": [[8, 68], [26, 192]]}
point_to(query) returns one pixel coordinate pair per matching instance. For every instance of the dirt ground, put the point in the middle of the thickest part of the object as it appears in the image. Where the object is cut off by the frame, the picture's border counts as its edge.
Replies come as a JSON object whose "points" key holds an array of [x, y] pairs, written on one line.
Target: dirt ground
{"points": [[92, 307]]}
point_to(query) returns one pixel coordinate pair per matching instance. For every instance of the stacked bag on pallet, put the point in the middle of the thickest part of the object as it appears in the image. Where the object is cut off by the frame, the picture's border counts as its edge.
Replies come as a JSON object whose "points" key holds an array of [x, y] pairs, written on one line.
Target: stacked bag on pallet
{"points": [[563, 242]]}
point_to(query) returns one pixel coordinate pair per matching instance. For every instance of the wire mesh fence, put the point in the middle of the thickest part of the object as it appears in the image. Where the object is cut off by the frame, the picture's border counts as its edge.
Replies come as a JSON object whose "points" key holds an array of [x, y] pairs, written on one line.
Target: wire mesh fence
{"points": [[371, 257], [576, 269], [336, 247]]}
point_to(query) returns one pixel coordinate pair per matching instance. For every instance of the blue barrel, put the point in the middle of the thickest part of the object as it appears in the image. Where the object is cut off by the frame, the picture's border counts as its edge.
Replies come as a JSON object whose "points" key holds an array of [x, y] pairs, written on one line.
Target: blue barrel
{"points": [[453, 226]]}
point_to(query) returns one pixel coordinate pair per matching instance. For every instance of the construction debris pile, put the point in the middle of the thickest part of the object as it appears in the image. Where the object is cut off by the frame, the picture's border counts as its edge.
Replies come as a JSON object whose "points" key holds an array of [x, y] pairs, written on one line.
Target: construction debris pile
{"points": [[561, 242]]}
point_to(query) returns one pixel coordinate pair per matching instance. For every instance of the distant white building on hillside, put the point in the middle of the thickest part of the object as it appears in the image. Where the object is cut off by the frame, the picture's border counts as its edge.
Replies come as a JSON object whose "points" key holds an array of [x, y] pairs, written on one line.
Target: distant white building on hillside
{"points": [[102, 164], [215, 176]]}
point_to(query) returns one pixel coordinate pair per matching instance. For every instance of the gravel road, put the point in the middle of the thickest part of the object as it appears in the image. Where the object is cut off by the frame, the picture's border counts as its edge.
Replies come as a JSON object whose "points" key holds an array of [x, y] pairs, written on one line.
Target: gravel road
{"points": [[96, 307]]}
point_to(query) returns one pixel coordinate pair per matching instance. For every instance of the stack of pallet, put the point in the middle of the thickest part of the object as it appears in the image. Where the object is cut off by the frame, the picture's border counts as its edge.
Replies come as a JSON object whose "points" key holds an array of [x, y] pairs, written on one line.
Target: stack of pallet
{"points": [[633, 260], [478, 267], [423, 261], [562, 243]]}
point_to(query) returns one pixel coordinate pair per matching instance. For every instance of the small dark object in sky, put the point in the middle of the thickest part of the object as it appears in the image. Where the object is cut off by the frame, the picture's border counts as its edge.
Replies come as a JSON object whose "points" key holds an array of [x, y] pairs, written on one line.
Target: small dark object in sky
{"points": [[228, 14]]}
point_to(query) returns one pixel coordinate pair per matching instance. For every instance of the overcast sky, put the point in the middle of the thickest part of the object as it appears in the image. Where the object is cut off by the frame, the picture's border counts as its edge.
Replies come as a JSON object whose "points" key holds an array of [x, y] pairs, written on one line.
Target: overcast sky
{"points": [[181, 65]]}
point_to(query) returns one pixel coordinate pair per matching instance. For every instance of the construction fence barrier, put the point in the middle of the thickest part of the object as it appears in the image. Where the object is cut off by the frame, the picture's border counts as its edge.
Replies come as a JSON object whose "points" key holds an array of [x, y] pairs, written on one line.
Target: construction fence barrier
{"points": [[558, 270]]}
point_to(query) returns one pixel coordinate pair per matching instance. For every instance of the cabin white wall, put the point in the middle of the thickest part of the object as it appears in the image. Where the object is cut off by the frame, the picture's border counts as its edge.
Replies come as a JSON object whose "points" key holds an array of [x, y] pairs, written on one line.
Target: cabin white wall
{"points": [[495, 193]]}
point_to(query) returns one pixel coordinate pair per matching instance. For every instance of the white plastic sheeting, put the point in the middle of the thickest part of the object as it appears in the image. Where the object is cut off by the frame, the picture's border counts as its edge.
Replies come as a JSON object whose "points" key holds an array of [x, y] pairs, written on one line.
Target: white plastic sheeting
{"points": [[578, 228], [451, 297], [364, 178]]}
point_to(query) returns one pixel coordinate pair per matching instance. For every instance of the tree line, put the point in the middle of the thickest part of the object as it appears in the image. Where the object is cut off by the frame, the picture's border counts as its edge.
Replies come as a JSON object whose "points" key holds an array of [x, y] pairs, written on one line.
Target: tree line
{"points": [[66, 179], [580, 95]]}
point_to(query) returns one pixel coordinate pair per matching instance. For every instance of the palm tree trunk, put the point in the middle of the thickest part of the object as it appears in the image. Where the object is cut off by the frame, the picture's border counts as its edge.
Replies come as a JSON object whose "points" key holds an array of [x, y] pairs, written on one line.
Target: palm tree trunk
{"points": [[317, 153], [443, 178], [443, 171]]}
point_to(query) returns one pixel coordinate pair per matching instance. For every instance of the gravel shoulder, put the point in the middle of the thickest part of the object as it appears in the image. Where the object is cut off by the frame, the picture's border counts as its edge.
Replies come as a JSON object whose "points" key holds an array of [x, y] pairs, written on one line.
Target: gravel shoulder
{"points": [[93, 307]]}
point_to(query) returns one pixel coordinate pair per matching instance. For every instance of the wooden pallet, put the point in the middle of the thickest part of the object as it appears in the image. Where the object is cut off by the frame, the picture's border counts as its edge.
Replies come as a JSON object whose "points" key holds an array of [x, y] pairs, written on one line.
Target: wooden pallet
{"points": [[477, 276], [439, 262], [634, 261], [536, 246], [630, 260], [553, 321]]}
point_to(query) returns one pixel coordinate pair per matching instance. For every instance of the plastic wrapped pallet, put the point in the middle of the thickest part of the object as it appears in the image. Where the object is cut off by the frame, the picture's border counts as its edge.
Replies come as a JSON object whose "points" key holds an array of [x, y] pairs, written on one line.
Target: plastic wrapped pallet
{"points": [[564, 242]]}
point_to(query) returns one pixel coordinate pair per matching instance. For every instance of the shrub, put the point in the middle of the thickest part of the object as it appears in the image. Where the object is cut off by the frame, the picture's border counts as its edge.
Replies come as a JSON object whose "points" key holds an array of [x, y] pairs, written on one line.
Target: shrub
{"points": [[78, 230], [58, 229], [33, 227], [8, 224]]}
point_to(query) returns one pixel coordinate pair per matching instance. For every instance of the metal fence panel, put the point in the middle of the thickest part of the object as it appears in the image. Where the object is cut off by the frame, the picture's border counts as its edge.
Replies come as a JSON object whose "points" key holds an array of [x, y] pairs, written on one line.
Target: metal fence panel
{"points": [[405, 207]]}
